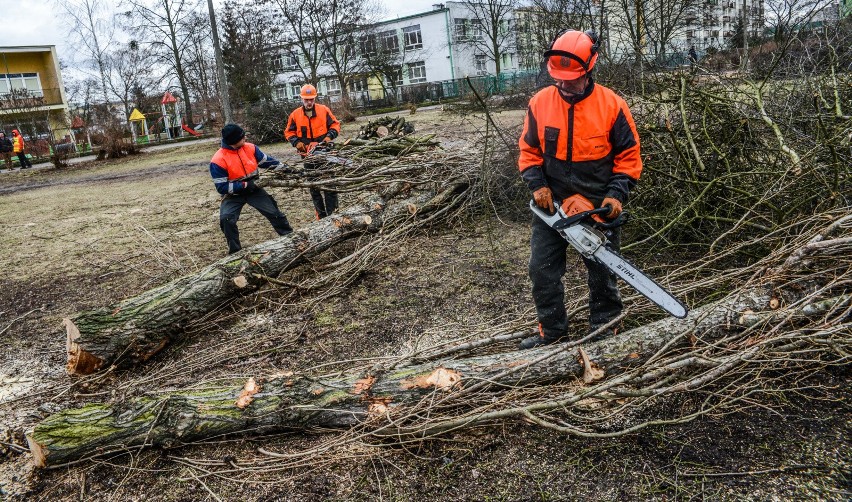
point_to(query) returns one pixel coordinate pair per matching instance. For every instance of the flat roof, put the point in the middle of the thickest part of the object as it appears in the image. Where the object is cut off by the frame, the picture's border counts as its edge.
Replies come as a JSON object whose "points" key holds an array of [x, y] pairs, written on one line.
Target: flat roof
{"points": [[412, 16], [28, 48]]}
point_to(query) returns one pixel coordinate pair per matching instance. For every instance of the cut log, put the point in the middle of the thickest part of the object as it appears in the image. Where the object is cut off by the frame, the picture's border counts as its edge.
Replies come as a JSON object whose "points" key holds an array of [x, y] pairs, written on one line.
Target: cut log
{"points": [[135, 329], [288, 401]]}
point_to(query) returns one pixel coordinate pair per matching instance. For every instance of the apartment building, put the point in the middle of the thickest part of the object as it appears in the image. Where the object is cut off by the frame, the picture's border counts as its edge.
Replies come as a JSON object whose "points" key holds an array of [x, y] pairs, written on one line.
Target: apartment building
{"points": [[32, 95], [399, 55], [713, 23]]}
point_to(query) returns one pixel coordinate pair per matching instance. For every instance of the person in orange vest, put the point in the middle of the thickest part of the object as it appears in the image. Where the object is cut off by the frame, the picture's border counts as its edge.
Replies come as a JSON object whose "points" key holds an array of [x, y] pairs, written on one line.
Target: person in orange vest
{"points": [[580, 149], [19, 147], [234, 169], [311, 127]]}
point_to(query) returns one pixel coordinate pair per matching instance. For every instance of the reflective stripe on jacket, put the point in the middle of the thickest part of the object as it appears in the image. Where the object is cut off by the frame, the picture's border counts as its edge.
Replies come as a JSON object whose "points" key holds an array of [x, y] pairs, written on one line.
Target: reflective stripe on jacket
{"points": [[306, 129], [588, 145], [231, 168]]}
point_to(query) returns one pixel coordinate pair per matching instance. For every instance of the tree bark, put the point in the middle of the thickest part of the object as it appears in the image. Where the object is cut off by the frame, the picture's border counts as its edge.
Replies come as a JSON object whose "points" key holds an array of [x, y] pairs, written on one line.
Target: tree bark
{"points": [[287, 401], [135, 329]]}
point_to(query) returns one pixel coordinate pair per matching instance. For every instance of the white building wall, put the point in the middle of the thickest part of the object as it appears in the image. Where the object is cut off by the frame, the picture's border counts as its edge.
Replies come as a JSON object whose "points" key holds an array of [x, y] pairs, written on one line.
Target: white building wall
{"points": [[444, 56]]}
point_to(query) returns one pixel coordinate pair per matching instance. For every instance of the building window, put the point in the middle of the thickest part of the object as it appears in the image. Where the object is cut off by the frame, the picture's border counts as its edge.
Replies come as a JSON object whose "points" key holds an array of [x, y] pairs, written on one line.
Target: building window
{"points": [[368, 44], [358, 84], [413, 37], [476, 29], [295, 89], [291, 61], [481, 62], [461, 29], [280, 93], [332, 86], [20, 83], [277, 62], [389, 41], [417, 72]]}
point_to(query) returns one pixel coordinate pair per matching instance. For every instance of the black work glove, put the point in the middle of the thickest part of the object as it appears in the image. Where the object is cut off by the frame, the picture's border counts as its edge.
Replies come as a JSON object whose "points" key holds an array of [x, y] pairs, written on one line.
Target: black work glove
{"points": [[251, 186]]}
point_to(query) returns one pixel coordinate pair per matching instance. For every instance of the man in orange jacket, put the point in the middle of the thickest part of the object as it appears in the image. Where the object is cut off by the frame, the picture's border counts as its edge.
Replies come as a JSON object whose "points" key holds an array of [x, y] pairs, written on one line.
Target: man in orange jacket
{"points": [[309, 127], [19, 147], [580, 148]]}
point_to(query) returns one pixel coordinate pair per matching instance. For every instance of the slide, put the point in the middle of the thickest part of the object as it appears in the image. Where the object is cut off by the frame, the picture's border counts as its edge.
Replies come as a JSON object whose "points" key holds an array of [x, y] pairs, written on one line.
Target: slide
{"points": [[190, 130]]}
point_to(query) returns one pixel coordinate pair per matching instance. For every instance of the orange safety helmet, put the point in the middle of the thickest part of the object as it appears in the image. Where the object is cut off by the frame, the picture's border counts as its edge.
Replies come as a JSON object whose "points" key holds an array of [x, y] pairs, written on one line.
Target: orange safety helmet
{"points": [[572, 55], [308, 92]]}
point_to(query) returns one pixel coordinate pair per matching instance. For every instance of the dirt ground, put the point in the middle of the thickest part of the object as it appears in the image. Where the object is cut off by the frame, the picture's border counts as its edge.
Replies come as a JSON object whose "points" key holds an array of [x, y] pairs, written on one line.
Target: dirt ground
{"points": [[95, 233]]}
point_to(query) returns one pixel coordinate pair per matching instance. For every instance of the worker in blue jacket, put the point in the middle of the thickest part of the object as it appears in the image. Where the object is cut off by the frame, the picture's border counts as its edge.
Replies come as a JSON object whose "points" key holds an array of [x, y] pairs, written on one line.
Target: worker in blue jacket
{"points": [[234, 169]]}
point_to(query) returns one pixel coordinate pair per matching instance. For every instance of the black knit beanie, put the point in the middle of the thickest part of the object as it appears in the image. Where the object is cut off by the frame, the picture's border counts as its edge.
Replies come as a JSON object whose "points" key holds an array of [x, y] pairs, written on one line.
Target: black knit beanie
{"points": [[232, 134]]}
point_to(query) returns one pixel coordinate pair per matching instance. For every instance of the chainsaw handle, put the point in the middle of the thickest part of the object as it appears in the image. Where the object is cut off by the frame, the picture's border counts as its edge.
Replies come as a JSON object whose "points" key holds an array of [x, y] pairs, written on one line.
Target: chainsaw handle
{"points": [[619, 220], [571, 220]]}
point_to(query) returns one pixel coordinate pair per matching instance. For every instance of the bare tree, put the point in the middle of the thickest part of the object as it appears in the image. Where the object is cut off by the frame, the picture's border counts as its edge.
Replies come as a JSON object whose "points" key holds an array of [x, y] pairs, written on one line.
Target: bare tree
{"points": [[323, 33], [663, 19], [168, 28], [343, 22], [491, 30], [200, 62], [382, 60], [248, 35], [538, 25], [301, 32], [130, 73], [783, 17], [91, 33]]}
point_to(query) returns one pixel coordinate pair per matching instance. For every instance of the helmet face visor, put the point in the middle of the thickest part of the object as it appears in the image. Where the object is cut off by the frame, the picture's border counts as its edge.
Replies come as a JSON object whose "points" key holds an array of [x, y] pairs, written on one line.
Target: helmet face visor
{"points": [[564, 65], [564, 70]]}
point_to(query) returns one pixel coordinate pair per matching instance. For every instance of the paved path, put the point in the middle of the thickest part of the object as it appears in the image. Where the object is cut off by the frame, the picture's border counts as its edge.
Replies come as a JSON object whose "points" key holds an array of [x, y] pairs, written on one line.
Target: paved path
{"points": [[146, 148]]}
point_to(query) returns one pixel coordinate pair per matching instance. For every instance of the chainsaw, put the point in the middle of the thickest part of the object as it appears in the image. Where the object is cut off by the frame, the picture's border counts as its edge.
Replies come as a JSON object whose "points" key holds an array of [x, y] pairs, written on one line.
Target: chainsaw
{"points": [[318, 151], [583, 231]]}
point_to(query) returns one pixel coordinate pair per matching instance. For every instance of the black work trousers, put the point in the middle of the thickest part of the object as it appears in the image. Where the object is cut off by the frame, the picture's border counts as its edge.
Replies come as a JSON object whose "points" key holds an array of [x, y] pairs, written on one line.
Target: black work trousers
{"points": [[325, 201], [25, 162], [232, 205], [547, 266]]}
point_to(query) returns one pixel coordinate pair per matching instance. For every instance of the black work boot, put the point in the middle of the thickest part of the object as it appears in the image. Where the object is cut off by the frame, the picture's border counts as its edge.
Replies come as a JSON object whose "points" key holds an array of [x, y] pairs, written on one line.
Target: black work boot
{"points": [[539, 340]]}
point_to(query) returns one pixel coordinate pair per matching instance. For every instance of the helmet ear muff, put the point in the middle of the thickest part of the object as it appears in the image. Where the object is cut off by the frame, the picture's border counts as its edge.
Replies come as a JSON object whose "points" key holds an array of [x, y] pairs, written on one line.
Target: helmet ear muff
{"points": [[596, 42]]}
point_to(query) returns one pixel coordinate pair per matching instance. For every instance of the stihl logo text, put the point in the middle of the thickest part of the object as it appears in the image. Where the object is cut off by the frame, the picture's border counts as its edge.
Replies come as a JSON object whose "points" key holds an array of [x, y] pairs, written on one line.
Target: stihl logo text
{"points": [[626, 271]]}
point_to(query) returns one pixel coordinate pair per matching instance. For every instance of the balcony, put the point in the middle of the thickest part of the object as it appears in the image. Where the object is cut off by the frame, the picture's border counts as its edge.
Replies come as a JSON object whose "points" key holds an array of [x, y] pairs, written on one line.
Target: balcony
{"points": [[20, 100]]}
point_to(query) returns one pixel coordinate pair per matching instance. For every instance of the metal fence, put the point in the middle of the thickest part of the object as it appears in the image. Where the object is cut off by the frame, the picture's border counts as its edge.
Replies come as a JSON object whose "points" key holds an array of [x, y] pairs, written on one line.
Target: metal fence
{"points": [[436, 92]]}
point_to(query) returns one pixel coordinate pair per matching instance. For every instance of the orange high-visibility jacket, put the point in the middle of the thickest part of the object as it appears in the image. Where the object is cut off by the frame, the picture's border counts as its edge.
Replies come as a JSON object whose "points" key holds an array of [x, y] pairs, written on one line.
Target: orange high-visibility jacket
{"points": [[587, 145], [17, 141], [313, 128]]}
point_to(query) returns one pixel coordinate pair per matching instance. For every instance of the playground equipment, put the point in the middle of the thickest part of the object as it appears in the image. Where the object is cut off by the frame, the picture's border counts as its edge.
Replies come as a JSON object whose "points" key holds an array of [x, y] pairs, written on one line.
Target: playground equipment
{"points": [[190, 130], [136, 120], [172, 115]]}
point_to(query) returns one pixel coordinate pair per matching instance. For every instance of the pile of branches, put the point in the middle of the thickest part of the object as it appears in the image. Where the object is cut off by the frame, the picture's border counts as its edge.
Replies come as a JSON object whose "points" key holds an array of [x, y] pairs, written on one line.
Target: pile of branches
{"points": [[385, 126]]}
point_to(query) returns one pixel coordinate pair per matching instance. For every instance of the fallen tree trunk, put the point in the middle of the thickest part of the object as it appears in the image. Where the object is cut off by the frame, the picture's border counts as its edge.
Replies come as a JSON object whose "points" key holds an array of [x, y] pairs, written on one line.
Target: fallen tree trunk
{"points": [[289, 401], [135, 329]]}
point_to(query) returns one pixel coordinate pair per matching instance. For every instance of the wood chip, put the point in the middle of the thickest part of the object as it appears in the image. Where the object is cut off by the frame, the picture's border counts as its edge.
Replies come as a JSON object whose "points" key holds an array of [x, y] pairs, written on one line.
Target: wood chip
{"points": [[246, 396], [591, 371]]}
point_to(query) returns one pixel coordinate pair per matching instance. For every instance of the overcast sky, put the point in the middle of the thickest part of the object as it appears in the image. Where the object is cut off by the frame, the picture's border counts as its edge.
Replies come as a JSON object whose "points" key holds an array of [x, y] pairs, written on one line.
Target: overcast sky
{"points": [[36, 22]]}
